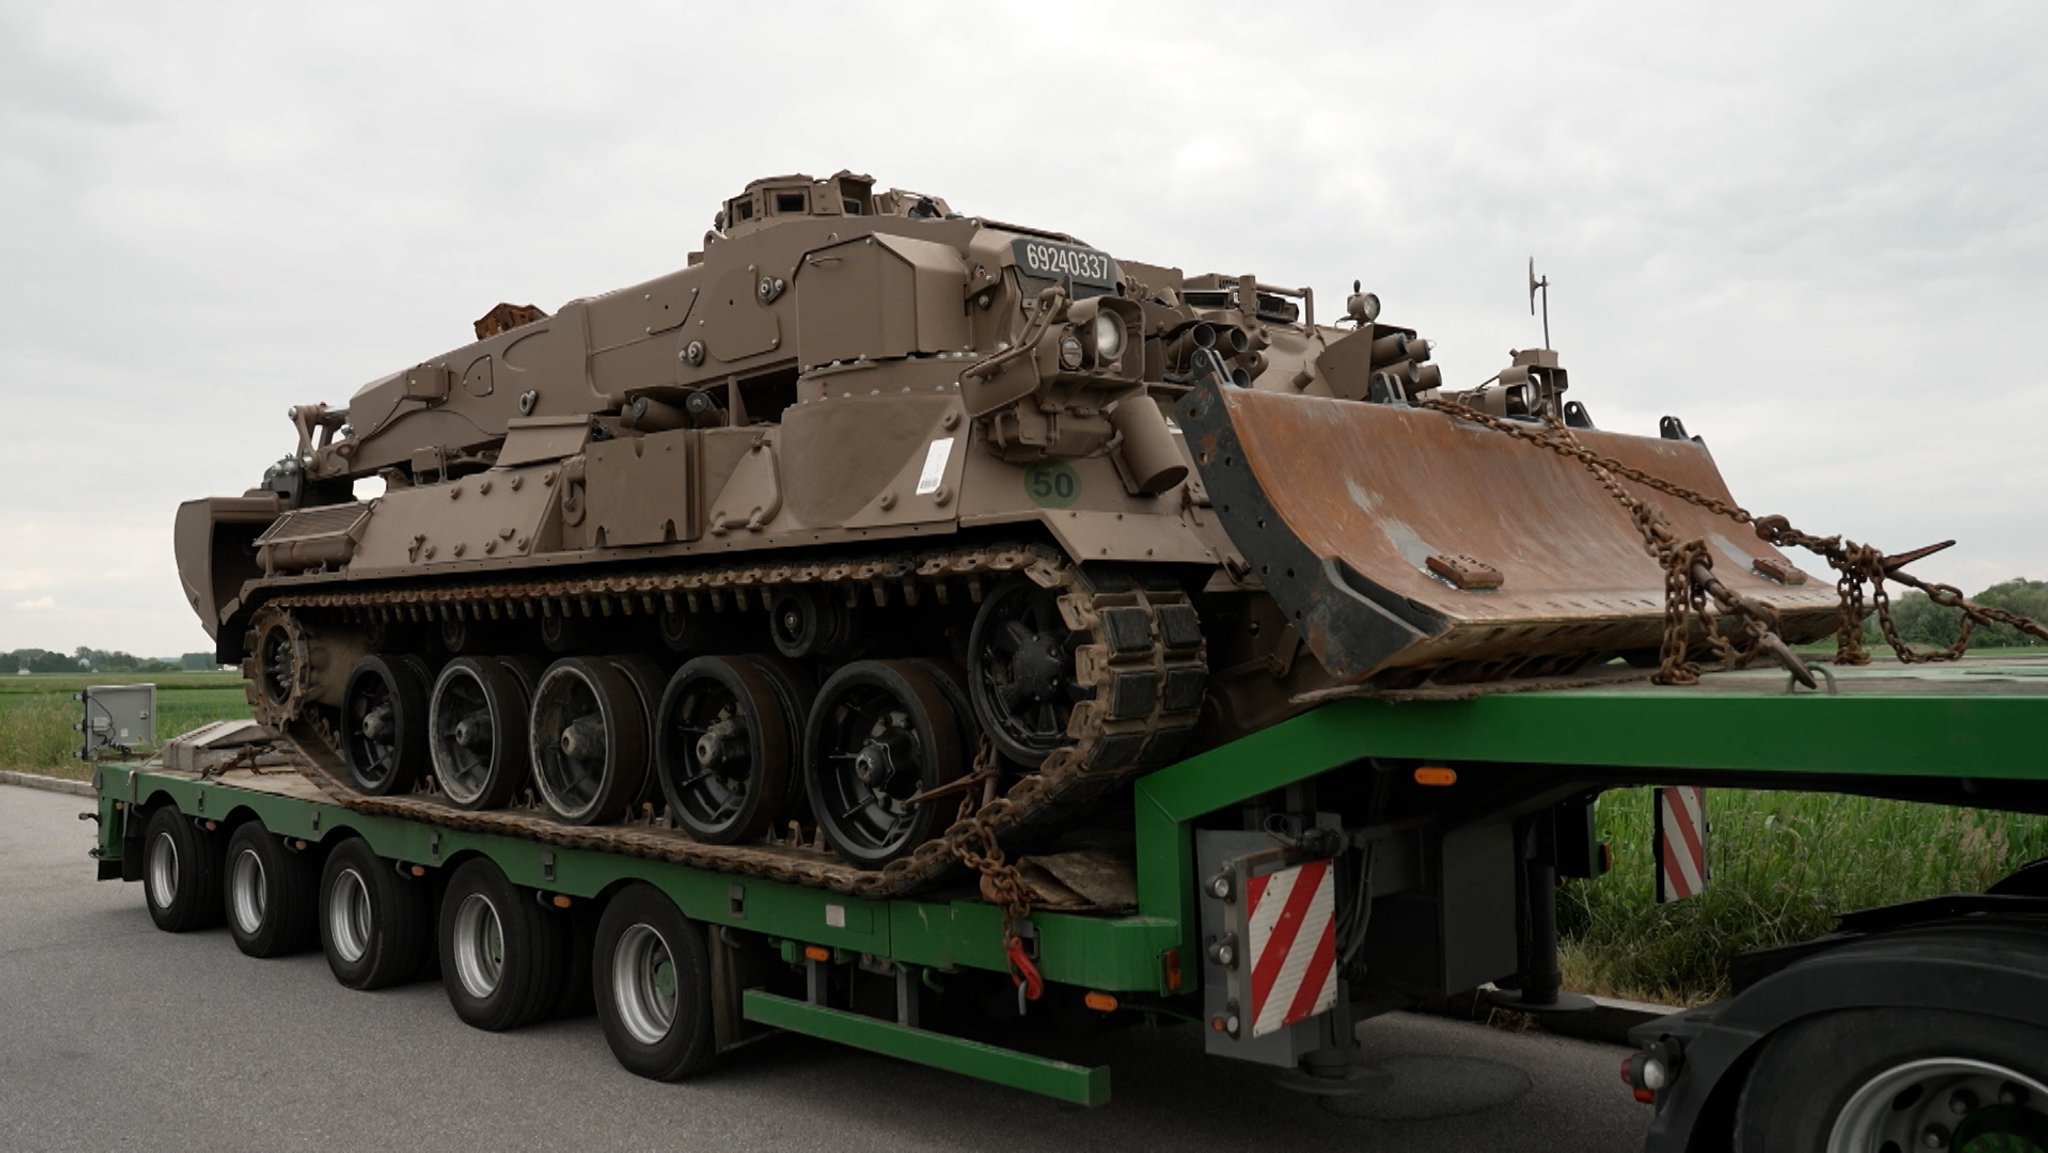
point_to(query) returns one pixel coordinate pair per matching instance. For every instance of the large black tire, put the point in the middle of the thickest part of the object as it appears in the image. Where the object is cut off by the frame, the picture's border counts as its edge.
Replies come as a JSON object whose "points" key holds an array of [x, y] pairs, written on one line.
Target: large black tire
{"points": [[180, 872], [376, 927], [1811, 1073], [652, 977], [384, 723], [270, 894], [504, 955]]}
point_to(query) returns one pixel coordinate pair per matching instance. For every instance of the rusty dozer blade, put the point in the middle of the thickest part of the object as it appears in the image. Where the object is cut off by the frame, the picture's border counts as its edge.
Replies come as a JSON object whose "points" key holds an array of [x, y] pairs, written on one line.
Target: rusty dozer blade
{"points": [[1405, 544]]}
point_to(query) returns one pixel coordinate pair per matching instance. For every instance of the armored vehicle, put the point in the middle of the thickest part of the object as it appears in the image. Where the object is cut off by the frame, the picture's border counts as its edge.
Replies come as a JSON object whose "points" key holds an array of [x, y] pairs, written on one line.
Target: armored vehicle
{"points": [[876, 513]]}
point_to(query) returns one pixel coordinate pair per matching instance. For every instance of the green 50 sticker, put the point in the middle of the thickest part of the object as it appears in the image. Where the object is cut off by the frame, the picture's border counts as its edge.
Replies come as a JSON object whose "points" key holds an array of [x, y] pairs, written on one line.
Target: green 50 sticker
{"points": [[1052, 484]]}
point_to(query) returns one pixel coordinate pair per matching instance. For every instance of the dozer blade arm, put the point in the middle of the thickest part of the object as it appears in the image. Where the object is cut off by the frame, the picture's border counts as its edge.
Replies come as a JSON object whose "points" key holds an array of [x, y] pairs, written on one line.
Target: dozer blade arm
{"points": [[1406, 544]]}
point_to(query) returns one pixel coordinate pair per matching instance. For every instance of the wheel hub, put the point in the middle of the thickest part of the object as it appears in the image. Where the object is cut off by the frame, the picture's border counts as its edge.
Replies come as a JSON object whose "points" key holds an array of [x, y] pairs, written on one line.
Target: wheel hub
{"points": [[882, 759], [1036, 670], [722, 745], [473, 732], [583, 739], [377, 722]]}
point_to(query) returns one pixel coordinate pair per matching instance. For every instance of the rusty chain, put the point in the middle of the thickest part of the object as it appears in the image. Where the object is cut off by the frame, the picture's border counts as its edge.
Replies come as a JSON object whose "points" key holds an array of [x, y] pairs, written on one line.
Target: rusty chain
{"points": [[975, 843], [1688, 568]]}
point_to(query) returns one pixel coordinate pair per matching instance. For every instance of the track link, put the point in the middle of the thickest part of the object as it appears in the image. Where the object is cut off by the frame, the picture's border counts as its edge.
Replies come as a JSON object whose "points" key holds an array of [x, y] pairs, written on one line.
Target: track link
{"points": [[1144, 658]]}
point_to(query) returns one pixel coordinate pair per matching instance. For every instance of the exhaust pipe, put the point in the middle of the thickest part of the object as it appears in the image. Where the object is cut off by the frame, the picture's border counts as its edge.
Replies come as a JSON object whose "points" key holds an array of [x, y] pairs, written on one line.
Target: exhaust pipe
{"points": [[1150, 456]]}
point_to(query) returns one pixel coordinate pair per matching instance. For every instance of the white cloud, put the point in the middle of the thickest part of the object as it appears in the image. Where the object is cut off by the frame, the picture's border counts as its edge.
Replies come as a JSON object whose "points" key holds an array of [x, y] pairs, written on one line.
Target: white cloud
{"points": [[1825, 247], [41, 604]]}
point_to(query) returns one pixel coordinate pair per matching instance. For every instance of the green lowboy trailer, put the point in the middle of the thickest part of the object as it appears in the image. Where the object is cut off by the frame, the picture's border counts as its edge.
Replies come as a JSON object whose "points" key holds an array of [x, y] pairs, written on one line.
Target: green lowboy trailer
{"points": [[1360, 856]]}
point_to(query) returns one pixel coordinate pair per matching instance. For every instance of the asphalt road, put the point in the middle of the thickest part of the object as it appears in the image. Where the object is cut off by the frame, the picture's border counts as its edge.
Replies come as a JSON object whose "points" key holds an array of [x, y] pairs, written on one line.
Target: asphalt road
{"points": [[116, 1036]]}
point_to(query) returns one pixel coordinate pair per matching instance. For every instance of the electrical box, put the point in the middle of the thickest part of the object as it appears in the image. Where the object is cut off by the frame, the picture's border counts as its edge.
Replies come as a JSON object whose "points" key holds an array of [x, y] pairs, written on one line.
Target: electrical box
{"points": [[118, 718]]}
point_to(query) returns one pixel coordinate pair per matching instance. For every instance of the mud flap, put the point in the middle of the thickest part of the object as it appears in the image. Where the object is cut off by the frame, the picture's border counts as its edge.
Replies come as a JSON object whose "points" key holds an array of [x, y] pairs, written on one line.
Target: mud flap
{"points": [[1404, 543]]}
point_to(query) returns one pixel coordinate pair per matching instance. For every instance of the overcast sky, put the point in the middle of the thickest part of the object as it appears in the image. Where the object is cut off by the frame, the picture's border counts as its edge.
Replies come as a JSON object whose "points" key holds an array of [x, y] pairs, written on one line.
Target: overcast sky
{"points": [[1817, 232]]}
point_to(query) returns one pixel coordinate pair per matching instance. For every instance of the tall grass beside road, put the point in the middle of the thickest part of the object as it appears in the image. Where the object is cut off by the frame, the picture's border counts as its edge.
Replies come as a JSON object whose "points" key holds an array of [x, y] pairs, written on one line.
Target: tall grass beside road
{"points": [[37, 713], [1784, 865]]}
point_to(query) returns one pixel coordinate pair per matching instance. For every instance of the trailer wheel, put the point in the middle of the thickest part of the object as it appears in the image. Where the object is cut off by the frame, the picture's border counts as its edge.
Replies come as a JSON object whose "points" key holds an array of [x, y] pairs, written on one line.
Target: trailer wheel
{"points": [[181, 872], [653, 984], [503, 955], [1890, 1080], [376, 927], [269, 894]]}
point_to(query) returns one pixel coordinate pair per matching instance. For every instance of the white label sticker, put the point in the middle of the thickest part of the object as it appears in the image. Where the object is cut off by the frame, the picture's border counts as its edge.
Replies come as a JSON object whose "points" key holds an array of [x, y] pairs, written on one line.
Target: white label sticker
{"points": [[935, 459], [835, 916]]}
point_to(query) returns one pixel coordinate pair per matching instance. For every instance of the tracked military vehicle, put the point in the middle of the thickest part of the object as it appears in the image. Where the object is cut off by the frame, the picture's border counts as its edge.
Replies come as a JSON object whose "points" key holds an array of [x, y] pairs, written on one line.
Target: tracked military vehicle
{"points": [[875, 507]]}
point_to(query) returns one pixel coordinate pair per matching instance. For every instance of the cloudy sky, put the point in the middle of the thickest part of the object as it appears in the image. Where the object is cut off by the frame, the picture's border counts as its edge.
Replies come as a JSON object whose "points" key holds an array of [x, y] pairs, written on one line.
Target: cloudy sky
{"points": [[1817, 232]]}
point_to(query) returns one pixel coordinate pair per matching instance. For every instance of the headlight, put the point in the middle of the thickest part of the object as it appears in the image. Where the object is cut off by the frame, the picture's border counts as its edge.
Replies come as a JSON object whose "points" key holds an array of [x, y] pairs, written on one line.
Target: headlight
{"points": [[1070, 351], [1109, 336]]}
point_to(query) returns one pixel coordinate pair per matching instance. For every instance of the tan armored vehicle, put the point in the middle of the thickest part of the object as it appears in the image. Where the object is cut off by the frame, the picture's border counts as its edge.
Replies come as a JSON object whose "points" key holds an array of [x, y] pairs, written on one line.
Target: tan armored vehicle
{"points": [[875, 504]]}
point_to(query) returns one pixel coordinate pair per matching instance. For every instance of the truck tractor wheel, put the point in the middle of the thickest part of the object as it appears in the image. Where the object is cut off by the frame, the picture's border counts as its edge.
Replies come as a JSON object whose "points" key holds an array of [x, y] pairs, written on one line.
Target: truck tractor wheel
{"points": [[181, 872], [648, 679], [880, 732], [476, 733], [589, 741], [504, 955], [1885, 1080], [269, 894], [652, 969], [384, 724], [724, 749], [376, 927], [1021, 671]]}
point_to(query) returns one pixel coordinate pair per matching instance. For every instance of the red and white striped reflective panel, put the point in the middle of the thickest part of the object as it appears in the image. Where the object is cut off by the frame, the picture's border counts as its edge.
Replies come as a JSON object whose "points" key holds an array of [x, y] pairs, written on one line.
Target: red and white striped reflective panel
{"points": [[1681, 842], [1293, 945]]}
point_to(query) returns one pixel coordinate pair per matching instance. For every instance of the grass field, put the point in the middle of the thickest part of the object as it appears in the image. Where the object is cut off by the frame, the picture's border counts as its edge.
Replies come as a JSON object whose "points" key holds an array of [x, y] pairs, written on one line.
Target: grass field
{"points": [[1784, 864], [37, 713]]}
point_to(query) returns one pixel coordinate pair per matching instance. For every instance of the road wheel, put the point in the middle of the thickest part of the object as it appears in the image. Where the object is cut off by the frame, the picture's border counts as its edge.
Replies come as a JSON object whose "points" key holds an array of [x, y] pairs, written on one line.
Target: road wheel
{"points": [[476, 730], [503, 954], [724, 749], [589, 741], [269, 893], [880, 733], [181, 872], [384, 724], [376, 927], [1891, 1080], [652, 969]]}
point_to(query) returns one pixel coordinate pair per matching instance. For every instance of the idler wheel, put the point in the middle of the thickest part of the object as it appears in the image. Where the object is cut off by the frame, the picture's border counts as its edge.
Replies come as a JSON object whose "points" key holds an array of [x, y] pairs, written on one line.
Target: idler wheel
{"points": [[880, 732], [724, 749], [476, 728], [588, 741], [1021, 672], [384, 724]]}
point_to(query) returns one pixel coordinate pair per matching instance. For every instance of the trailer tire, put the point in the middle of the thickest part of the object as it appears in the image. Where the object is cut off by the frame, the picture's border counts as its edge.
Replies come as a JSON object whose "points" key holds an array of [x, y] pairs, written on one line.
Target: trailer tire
{"points": [[503, 955], [269, 894], [1858, 1079], [181, 872], [651, 972], [376, 927]]}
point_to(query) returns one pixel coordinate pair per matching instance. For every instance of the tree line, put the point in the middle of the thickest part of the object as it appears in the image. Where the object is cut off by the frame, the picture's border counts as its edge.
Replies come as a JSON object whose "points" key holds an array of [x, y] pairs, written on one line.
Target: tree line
{"points": [[1922, 622], [85, 659]]}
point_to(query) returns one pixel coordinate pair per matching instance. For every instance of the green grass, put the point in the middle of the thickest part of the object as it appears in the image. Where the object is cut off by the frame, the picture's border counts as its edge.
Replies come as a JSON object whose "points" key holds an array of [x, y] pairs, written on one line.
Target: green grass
{"points": [[37, 712], [1784, 865]]}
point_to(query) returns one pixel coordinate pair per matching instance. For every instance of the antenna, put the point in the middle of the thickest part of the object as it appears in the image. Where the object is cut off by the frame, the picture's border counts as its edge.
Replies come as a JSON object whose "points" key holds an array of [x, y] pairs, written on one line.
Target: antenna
{"points": [[1543, 286]]}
